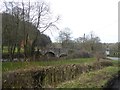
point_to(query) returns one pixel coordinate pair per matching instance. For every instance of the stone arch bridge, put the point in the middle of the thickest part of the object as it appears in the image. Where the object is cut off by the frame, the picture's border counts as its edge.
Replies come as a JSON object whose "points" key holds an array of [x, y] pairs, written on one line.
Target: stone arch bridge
{"points": [[54, 52]]}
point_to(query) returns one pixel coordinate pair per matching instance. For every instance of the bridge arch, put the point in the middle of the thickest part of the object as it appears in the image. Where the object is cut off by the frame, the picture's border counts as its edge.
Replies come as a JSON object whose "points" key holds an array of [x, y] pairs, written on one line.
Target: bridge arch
{"points": [[50, 54], [62, 55]]}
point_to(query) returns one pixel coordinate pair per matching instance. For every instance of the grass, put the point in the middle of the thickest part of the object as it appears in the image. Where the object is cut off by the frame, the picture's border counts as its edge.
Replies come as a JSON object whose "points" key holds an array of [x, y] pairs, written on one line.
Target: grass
{"points": [[5, 50], [10, 66], [115, 62], [93, 79]]}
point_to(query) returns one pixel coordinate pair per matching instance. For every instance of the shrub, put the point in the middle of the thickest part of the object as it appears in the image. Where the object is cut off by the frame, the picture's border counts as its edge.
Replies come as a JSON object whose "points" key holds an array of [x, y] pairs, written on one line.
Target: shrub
{"points": [[80, 54], [106, 63]]}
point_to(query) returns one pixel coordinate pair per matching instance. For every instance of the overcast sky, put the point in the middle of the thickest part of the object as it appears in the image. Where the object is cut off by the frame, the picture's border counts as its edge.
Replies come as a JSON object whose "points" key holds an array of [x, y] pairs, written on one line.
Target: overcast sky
{"points": [[84, 16]]}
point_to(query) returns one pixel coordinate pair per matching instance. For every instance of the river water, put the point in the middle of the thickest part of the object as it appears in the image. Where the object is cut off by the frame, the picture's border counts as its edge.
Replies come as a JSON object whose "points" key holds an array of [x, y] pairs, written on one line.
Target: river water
{"points": [[116, 83]]}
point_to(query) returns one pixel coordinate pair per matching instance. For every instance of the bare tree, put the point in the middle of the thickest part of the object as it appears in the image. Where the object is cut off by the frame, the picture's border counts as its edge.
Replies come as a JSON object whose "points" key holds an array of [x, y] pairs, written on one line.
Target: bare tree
{"points": [[65, 37], [42, 19], [11, 28], [91, 43], [37, 13]]}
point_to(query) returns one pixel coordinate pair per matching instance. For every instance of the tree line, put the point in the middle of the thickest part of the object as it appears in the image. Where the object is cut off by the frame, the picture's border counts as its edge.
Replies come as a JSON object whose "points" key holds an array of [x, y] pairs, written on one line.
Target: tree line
{"points": [[23, 25], [88, 44]]}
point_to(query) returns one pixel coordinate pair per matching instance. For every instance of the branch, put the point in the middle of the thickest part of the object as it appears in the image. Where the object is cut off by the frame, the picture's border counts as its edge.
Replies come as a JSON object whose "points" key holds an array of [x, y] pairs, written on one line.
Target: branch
{"points": [[50, 24]]}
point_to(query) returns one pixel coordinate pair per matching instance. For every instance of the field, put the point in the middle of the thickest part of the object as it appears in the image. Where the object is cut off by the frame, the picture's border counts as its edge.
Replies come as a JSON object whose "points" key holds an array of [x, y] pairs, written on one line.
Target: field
{"points": [[5, 50], [9, 66], [72, 73]]}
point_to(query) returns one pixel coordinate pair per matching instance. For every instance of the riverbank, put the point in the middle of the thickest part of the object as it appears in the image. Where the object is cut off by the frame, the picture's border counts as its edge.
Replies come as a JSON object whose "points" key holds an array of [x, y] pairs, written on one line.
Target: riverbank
{"points": [[78, 73], [94, 79]]}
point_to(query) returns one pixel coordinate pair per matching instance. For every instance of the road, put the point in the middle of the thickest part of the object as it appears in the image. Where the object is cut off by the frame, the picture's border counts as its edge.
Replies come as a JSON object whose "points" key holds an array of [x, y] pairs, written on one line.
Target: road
{"points": [[113, 58]]}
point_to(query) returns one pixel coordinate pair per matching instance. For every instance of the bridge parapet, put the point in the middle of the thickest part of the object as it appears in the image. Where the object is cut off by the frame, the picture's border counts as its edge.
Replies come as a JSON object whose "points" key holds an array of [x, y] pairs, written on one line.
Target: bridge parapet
{"points": [[56, 51]]}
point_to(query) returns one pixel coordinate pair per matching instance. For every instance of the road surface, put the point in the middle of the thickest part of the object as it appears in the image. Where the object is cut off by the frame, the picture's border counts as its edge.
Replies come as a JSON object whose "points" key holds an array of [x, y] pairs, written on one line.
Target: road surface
{"points": [[113, 58]]}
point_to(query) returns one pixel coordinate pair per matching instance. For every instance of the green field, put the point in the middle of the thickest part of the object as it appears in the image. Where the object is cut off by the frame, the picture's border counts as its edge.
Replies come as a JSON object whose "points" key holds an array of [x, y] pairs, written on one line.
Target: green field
{"points": [[9, 66], [5, 50]]}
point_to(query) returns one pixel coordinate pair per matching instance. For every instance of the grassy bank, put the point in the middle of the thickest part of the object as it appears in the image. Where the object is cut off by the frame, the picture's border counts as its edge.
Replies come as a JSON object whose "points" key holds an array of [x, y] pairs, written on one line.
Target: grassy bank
{"points": [[93, 79], [73, 73], [50, 76], [10, 66]]}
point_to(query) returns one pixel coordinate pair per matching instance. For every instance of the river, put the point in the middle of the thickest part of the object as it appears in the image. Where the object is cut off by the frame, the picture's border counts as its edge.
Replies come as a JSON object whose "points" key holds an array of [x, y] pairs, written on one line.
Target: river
{"points": [[116, 82]]}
